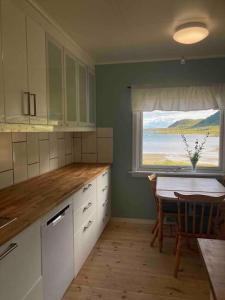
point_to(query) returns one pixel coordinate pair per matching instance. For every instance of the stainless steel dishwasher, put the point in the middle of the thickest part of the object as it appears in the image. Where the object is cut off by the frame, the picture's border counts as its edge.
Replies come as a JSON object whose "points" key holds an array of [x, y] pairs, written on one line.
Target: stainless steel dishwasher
{"points": [[57, 252]]}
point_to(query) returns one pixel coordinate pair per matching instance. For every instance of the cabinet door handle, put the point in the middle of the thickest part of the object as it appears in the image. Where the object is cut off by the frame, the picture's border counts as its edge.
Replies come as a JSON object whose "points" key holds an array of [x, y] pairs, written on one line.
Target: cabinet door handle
{"points": [[35, 105], [8, 250], [88, 206], [27, 113], [88, 225], [105, 188]]}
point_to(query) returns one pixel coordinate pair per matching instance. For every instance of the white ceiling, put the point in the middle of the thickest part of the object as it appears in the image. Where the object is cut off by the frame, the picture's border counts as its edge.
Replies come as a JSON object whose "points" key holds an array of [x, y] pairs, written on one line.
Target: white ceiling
{"points": [[138, 30]]}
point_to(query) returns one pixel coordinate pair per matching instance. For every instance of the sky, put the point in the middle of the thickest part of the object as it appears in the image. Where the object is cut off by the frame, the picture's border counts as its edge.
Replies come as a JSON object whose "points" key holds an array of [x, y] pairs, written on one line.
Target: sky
{"points": [[163, 119]]}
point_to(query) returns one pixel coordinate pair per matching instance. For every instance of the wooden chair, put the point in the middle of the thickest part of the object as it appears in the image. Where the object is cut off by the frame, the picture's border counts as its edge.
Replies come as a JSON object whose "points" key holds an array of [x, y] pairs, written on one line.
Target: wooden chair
{"points": [[198, 216], [162, 212]]}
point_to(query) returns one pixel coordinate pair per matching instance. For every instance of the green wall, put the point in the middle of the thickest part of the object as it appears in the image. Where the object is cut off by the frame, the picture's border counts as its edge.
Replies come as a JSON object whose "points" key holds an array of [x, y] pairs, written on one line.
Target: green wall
{"points": [[131, 197]]}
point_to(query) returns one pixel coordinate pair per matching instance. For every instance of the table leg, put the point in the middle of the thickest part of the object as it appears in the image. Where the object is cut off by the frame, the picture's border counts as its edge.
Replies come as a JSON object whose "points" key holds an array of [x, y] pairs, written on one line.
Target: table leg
{"points": [[160, 226]]}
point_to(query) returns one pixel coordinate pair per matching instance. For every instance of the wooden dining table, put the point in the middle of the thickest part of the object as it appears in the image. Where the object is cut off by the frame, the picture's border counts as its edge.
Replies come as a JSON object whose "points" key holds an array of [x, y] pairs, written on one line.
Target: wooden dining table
{"points": [[166, 186], [213, 255]]}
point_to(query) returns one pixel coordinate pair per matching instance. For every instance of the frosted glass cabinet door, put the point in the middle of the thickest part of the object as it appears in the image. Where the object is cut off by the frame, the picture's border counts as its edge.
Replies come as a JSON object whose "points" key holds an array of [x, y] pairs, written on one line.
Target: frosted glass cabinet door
{"points": [[37, 72], [55, 82], [71, 91], [14, 63], [83, 113], [91, 98]]}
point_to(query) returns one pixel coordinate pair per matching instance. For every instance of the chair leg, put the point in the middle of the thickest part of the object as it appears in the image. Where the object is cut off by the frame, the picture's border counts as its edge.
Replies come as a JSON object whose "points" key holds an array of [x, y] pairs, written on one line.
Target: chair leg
{"points": [[155, 235], [176, 242], [178, 253], [155, 226], [161, 218]]}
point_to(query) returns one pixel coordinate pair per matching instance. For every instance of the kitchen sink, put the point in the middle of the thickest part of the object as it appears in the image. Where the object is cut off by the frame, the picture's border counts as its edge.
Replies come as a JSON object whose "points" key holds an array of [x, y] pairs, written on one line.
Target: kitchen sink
{"points": [[6, 221]]}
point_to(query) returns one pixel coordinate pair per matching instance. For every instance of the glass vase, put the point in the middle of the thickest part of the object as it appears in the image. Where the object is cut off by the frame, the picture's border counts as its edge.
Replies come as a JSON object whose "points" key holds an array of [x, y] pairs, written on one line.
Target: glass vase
{"points": [[194, 165]]}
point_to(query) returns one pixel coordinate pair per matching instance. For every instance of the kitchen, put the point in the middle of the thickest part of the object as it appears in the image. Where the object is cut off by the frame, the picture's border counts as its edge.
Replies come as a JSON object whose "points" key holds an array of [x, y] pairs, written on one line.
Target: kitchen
{"points": [[76, 207]]}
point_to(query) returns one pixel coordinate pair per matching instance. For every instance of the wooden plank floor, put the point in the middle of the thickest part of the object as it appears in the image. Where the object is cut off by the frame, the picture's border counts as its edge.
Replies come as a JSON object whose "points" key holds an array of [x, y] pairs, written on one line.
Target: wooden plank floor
{"points": [[123, 266]]}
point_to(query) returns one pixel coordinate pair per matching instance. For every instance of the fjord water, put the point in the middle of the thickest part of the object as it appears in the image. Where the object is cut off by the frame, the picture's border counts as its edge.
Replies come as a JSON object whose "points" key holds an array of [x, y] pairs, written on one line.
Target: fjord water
{"points": [[170, 147]]}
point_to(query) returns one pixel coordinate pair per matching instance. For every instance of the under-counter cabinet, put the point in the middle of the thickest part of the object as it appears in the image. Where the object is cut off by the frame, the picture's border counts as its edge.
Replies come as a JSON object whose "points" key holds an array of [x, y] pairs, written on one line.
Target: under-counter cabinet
{"points": [[20, 266], [57, 251], [23, 44], [55, 82]]}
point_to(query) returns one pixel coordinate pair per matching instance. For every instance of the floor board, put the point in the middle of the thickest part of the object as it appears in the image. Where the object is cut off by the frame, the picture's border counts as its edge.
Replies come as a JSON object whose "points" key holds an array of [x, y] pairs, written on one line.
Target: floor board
{"points": [[123, 266]]}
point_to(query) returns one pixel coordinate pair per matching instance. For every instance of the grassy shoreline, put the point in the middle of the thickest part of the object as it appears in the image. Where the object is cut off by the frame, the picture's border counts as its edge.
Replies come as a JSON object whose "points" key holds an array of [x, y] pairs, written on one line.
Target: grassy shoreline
{"points": [[213, 130]]}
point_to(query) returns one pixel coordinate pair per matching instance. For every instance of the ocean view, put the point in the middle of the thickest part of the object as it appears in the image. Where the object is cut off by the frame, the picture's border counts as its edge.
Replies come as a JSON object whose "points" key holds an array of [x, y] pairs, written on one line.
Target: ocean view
{"points": [[164, 149]]}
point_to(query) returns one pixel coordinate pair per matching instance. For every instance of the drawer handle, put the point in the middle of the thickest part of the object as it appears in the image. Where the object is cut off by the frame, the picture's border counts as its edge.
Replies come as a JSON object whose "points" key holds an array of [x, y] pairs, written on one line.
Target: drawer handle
{"points": [[105, 188], [8, 250], [88, 225], [105, 173], [89, 185], [88, 206], [85, 189], [105, 202]]}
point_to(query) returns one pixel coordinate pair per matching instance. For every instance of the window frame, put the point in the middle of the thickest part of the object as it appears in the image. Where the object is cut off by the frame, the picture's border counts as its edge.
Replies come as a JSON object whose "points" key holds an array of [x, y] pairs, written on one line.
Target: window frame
{"points": [[137, 147]]}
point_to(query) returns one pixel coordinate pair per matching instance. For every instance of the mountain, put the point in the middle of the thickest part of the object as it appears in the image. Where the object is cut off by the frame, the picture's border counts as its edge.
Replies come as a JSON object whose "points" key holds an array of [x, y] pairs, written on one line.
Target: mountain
{"points": [[185, 123], [212, 120]]}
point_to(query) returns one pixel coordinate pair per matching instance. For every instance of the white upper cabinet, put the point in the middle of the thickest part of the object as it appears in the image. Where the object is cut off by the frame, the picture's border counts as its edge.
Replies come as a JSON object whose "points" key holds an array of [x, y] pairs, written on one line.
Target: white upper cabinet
{"points": [[36, 57], [71, 105], [2, 112], [55, 82], [15, 63], [91, 98], [82, 95]]}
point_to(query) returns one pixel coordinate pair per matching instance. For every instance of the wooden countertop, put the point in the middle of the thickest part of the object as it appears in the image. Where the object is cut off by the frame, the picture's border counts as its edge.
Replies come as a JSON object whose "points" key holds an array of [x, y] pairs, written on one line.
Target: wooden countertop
{"points": [[32, 199], [213, 254]]}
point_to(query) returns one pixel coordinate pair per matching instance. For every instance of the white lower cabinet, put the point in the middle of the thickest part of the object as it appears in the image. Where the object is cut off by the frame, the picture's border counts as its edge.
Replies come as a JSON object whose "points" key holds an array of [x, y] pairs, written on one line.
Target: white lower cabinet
{"points": [[20, 266], [36, 292], [26, 271], [92, 211]]}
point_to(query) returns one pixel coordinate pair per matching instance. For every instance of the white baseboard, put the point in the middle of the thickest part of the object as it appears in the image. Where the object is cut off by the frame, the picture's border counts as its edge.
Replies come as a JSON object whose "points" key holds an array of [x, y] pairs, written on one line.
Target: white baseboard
{"points": [[137, 221]]}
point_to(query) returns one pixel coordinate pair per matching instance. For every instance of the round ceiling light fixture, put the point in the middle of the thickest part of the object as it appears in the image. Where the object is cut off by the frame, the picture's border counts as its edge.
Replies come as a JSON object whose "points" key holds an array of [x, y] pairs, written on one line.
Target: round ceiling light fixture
{"points": [[190, 33]]}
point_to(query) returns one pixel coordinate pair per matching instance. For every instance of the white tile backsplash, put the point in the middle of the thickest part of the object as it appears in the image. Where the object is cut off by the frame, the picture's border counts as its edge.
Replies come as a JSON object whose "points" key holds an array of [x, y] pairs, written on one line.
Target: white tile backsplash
{"points": [[6, 179], [104, 132], [54, 164], [20, 161], [5, 152], [105, 150], [61, 152], [89, 142], [19, 136], [77, 149], [33, 170], [26, 155], [44, 156], [32, 148]]}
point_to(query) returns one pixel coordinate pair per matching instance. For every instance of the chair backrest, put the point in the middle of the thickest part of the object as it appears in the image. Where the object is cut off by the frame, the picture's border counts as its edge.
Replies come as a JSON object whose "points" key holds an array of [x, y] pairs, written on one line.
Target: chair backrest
{"points": [[198, 215], [153, 181]]}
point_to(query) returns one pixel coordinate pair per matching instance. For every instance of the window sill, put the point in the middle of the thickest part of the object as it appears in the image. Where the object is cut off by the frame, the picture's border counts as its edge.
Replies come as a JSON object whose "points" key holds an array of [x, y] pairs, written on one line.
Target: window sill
{"points": [[177, 173]]}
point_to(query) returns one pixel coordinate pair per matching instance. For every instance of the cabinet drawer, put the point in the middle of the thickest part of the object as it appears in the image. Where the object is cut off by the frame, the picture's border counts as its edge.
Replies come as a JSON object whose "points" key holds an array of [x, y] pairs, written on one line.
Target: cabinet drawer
{"points": [[84, 241], [84, 194], [82, 214], [21, 268], [103, 179]]}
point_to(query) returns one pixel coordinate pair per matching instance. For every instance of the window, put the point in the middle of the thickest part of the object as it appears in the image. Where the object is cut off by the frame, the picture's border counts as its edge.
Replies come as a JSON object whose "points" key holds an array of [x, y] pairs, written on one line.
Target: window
{"points": [[158, 143]]}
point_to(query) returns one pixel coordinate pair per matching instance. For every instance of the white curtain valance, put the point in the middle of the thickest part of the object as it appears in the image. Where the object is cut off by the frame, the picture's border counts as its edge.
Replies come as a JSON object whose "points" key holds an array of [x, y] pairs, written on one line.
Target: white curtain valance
{"points": [[178, 98]]}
